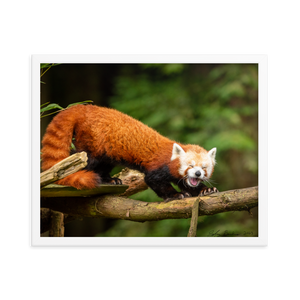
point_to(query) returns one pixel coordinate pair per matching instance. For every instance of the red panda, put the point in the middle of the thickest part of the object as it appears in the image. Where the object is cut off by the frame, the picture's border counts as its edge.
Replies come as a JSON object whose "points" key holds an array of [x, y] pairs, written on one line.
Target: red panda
{"points": [[113, 138]]}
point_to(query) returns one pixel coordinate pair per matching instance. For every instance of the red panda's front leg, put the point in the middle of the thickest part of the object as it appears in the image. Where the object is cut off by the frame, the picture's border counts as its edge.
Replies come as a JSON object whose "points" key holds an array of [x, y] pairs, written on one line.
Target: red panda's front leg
{"points": [[159, 181], [166, 191]]}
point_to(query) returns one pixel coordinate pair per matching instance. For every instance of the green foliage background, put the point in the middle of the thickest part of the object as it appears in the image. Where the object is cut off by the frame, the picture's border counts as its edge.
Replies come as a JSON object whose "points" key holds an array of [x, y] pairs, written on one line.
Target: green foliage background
{"points": [[213, 105]]}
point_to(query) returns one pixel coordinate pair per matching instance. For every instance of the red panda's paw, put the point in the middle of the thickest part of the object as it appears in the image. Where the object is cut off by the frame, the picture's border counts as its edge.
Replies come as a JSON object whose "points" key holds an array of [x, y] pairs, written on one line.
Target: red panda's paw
{"points": [[112, 180], [117, 180], [81, 180], [207, 191]]}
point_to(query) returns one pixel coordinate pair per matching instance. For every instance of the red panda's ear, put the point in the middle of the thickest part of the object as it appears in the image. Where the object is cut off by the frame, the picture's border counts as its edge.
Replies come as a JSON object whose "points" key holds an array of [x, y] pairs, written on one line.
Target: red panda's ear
{"points": [[177, 151], [212, 154]]}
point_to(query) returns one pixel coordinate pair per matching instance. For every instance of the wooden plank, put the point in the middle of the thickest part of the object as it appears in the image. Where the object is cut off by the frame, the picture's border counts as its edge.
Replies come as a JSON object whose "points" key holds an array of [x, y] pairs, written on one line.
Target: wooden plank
{"points": [[55, 190]]}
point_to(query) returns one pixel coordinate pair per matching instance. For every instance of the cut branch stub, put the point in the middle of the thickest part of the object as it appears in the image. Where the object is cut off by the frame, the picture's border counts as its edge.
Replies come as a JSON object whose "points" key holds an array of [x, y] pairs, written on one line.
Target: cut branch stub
{"points": [[134, 179], [64, 168]]}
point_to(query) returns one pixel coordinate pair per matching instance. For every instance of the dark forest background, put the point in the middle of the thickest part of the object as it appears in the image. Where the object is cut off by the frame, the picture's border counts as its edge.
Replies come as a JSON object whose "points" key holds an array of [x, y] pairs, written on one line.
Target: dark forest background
{"points": [[213, 105]]}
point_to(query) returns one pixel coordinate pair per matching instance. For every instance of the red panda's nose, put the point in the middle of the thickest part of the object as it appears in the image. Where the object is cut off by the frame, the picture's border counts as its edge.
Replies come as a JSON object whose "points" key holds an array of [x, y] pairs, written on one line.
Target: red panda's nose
{"points": [[198, 173]]}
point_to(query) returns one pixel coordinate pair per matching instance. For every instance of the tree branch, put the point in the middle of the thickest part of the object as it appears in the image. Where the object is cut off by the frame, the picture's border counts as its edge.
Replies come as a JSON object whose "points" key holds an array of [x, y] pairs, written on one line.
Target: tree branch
{"points": [[117, 207]]}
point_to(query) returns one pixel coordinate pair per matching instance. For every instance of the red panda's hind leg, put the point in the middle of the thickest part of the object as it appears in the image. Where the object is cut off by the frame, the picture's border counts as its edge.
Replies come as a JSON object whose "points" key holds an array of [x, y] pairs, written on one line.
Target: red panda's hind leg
{"points": [[102, 166], [87, 180]]}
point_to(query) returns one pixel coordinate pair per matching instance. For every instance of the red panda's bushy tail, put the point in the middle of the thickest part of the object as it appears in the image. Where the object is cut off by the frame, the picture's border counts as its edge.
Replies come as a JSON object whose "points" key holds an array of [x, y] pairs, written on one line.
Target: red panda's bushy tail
{"points": [[56, 146]]}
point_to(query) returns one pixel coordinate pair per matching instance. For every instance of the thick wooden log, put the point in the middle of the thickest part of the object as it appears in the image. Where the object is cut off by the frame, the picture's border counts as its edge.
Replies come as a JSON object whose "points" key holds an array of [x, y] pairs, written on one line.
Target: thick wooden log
{"points": [[64, 168], [45, 219], [57, 228]]}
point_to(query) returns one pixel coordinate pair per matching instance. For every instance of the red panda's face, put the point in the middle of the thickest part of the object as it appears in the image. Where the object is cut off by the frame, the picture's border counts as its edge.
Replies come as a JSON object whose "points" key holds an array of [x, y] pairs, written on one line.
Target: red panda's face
{"points": [[195, 166]]}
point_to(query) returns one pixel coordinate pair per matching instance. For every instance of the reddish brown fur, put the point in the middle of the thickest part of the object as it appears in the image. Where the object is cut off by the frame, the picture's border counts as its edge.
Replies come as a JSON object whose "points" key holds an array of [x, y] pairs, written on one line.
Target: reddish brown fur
{"points": [[103, 131]]}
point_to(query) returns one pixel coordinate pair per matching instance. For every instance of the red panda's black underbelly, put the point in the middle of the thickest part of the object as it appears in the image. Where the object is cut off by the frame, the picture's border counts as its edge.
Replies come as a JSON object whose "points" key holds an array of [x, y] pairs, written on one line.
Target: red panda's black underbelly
{"points": [[104, 162]]}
